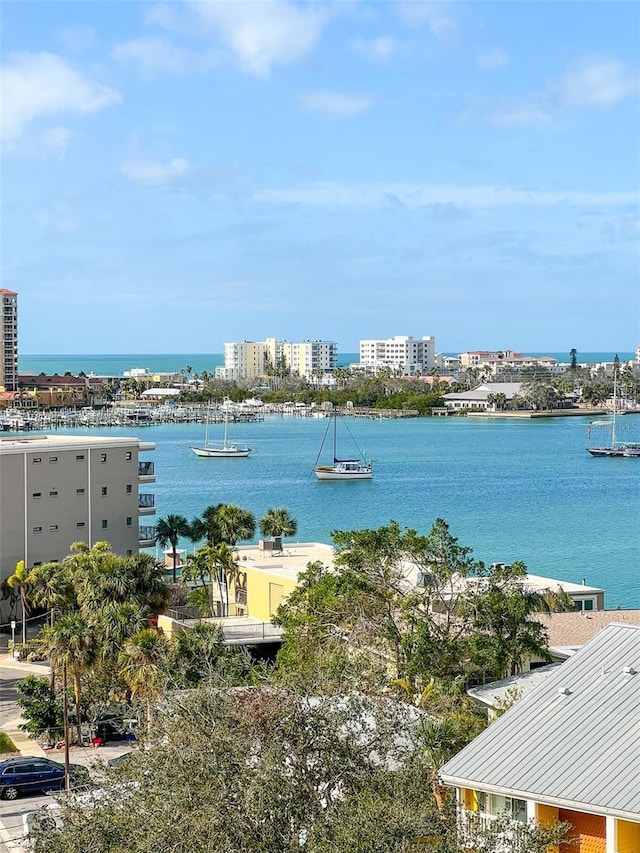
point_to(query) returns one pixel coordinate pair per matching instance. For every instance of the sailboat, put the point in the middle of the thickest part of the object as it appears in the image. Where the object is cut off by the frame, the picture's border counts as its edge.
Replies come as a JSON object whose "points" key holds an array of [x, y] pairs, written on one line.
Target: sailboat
{"points": [[226, 450], [342, 469], [614, 448]]}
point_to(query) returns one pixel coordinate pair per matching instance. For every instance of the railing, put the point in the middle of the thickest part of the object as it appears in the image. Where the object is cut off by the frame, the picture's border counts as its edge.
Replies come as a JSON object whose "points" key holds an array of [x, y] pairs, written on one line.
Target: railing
{"points": [[259, 631], [146, 469], [147, 534], [146, 501]]}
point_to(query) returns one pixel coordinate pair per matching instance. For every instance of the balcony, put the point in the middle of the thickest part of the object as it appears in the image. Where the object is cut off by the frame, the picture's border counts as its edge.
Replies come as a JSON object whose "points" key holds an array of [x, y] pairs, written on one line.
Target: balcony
{"points": [[146, 472], [241, 596], [146, 536], [146, 504]]}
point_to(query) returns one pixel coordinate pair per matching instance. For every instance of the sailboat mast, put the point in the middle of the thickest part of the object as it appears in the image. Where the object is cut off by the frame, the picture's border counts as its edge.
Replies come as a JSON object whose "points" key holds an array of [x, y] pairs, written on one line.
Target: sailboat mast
{"points": [[335, 437], [226, 421]]}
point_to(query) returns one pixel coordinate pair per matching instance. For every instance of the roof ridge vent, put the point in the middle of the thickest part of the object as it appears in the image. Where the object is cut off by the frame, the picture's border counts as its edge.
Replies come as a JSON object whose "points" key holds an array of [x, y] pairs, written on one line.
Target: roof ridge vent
{"points": [[564, 691], [629, 670]]}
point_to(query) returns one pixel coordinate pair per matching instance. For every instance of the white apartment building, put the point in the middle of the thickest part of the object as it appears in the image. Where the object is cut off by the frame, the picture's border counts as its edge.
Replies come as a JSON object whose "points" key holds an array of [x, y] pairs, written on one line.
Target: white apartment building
{"points": [[243, 360], [9, 344], [58, 490], [252, 359], [402, 352]]}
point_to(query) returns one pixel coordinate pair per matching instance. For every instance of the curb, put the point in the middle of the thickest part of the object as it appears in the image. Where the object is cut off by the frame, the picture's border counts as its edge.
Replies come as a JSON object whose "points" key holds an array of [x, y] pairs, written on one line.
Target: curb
{"points": [[21, 739]]}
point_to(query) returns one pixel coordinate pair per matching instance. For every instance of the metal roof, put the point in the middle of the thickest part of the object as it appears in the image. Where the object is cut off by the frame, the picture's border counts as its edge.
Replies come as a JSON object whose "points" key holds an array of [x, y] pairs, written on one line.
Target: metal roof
{"points": [[574, 741]]}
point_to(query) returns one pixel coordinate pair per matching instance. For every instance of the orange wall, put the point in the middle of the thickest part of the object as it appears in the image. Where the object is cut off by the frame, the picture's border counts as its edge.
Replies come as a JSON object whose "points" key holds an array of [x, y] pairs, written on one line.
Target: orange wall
{"points": [[589, 829], [628, 837]]}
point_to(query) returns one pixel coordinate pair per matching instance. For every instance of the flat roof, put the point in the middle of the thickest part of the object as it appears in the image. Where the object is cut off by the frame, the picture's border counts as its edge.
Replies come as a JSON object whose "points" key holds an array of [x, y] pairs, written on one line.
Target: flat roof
{"points": [[47, 443], [288, 563]]}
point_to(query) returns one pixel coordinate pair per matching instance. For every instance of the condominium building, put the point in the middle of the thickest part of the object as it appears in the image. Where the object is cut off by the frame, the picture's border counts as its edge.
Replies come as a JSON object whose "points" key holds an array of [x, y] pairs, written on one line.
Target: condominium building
{"points": [[243, 360], [9, 347], [402, 352], [63, 489], [252, 359]]}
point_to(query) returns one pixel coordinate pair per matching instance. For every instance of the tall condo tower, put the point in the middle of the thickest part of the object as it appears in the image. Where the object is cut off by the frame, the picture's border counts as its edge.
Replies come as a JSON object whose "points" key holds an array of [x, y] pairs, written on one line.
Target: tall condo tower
{"points": [[9, 343]]}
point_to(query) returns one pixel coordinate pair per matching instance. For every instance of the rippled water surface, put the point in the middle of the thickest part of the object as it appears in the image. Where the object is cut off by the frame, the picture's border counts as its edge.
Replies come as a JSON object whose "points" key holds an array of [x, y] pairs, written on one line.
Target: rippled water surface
{"points": [[511, 490]]}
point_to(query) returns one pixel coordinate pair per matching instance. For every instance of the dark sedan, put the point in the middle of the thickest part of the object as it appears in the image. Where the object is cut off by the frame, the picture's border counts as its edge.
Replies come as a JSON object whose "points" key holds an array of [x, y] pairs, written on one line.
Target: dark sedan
{"points": [[27, 775]]}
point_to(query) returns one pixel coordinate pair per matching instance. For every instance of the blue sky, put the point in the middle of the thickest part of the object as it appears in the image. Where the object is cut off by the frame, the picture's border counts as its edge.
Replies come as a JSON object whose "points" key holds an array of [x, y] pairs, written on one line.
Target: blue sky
{"points": [[177, 175]]}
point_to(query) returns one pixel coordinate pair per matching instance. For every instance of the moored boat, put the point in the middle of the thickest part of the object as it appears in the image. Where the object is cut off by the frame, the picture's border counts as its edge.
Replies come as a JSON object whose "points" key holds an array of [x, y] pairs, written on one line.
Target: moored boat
{"points": [[342, 469]]}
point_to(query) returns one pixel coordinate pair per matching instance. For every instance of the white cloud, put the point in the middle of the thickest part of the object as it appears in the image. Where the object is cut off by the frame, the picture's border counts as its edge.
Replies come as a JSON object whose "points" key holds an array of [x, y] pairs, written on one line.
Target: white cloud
{"points": [[264, 34], [492, 59], [152, 55], [153, 173], [76, 39], [43, 85], [437, 16], [56, 139], [428, 195], [379, 49], [598, 83], [525, 114], [336, 104]]}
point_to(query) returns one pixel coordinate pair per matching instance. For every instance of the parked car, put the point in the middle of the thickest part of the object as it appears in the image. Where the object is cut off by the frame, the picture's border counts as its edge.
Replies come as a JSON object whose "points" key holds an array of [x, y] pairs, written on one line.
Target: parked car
{"points": [[19, 776]]}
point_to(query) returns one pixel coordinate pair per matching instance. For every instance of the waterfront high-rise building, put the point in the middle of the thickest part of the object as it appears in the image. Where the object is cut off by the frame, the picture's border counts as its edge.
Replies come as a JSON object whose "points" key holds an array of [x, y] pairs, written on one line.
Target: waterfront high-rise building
{"points": [[410, 355], [63, 489], [9, 344], [251, 359]]}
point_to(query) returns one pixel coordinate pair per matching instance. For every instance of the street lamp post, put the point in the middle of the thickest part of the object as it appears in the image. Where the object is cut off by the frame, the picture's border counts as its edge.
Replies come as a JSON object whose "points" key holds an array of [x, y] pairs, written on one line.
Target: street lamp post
{"points": [[13, 635]]}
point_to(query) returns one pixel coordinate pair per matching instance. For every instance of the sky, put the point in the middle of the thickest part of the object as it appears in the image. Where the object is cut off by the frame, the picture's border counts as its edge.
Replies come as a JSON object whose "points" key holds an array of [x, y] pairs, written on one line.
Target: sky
{"points": [[182, 174]]}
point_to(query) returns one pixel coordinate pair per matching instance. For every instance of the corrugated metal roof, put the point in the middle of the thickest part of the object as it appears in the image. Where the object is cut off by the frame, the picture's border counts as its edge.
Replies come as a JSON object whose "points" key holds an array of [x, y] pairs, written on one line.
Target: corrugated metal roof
{"points": [[580, 749]]}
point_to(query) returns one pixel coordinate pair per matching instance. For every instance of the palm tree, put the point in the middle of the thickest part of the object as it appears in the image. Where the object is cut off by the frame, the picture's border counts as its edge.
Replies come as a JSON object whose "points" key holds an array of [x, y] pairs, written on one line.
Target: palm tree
{"points": [[116, 624], [207, 526], [50, 587], [19, 581], [143, 666], [278, 522], [236, 523], [441, 739], [70, 645], [168, 532], [223, 560]]}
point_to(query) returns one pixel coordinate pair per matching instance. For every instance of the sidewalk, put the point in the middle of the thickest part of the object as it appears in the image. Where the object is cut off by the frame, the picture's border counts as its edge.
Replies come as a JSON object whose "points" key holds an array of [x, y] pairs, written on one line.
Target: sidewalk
{"points": [[21, 739]]}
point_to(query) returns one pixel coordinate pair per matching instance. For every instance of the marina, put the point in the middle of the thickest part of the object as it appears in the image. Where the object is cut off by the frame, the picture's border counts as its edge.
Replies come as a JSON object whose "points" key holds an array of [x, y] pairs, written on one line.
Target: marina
{"points": [[510, 489]]}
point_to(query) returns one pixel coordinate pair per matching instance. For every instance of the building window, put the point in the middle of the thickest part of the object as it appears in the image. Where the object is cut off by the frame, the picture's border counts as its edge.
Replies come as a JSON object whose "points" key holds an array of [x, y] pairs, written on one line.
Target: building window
{"points": [[103, 490], [103, 457], [79, 491], [129, 456], [37, 494], [80, 457], [53, 528], [53, 459], [105, 523], [129, 488], [79, 523], [37, 530], [129, 552], [53, 493], [36, 460], [38, 563], [129, 521]]}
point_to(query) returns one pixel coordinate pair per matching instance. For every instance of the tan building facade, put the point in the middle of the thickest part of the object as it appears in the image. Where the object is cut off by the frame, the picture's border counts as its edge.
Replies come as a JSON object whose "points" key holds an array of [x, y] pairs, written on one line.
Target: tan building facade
{"points": [[63, 489], [9, 343]]}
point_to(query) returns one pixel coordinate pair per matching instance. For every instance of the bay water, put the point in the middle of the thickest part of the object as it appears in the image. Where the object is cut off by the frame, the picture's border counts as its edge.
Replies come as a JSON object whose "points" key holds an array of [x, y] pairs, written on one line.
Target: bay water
{"points": [[510, 489]]}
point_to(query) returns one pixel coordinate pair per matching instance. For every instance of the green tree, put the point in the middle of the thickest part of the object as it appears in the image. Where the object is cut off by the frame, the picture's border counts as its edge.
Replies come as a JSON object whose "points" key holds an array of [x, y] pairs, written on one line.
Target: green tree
{"points": [[143, 665], [278, 522], [70, 644], [573, 359], [40, 708], [19, 582], [169, 530]]}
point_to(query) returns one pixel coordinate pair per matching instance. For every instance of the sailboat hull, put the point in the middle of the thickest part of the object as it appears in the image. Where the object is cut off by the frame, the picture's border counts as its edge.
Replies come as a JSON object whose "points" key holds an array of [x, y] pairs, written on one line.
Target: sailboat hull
{"points": [[340, 472], [229, 452], [606, 451]]}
